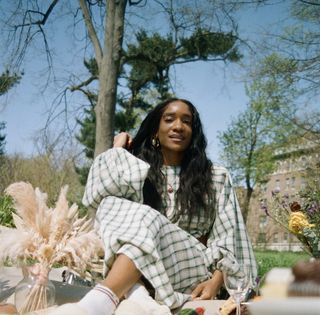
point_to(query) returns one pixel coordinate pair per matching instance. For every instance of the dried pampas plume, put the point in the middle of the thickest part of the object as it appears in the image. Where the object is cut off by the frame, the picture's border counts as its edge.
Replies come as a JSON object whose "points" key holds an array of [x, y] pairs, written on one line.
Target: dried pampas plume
{"points": [[49, 235]]}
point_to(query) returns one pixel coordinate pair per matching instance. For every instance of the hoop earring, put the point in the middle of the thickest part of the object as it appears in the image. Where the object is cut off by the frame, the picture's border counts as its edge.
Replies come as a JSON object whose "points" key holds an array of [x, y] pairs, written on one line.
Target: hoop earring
{"points": [[155, 142]]}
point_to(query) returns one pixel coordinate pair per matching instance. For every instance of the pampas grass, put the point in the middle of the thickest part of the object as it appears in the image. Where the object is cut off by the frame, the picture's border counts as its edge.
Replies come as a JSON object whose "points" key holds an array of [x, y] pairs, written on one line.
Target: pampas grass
{"points": [[48, 235]]}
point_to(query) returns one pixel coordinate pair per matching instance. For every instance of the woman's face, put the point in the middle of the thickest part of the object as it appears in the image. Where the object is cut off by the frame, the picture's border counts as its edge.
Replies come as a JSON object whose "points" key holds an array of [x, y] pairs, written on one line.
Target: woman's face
{"points": [[175, 130]]}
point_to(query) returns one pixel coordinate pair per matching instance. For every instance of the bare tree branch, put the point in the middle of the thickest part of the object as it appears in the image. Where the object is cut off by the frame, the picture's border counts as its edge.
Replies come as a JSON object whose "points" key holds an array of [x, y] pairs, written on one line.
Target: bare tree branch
{"points": [[82, 84], [91, 31], [131, 2], [309, 2], [200, 59], [43, 20]]}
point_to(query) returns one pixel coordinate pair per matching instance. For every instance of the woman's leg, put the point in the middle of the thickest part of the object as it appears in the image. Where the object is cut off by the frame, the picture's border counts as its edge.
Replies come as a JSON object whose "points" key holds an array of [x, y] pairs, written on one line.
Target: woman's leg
{"points": [[122, 276], [104, 298]]}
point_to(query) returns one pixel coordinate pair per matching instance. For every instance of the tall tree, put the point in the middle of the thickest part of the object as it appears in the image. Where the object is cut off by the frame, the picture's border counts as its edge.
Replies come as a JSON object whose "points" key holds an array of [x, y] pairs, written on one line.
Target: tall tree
{"points": [[108, 60], [146, 67], [299, 42], [250, 140], [107, 39]]}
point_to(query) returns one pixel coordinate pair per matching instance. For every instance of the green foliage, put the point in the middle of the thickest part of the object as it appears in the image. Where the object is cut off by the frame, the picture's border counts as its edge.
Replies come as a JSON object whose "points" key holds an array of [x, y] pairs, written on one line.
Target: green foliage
{"points": [[299, 43], [204, 44], [310, 195], [129, 115], [92, 66], [247, 148], [83, 172], [151, 57], [146, 67], [87, 133], [306, 11], [7, 81], [251, 138], [6, 210], [267, 260], [275, 75], [125, 120]]}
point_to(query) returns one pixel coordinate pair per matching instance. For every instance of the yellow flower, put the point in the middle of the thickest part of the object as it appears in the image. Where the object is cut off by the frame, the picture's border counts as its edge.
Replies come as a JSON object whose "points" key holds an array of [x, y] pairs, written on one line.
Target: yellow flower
{"points": [[298, 222]]}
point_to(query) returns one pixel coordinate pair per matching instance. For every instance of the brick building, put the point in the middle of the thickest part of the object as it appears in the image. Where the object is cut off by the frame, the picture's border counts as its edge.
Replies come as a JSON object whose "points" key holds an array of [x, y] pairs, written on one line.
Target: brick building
{"points": [[289, 178]]}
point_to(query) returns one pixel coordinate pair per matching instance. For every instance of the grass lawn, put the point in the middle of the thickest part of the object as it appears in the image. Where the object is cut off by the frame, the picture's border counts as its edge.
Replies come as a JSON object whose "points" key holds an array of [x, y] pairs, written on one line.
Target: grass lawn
{"points": [[268, 259]]}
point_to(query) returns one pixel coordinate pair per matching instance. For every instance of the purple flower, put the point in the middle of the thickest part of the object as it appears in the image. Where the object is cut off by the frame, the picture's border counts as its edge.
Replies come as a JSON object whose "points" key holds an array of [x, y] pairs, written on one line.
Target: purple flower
{"points": [[284, 202], [264, 208], [275, 191], [313, 208]]}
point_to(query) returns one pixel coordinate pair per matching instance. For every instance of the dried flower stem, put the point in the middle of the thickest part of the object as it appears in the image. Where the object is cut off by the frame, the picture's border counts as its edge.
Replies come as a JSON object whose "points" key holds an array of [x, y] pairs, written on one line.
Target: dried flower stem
{"points": [[48, 236], [35, 300]]}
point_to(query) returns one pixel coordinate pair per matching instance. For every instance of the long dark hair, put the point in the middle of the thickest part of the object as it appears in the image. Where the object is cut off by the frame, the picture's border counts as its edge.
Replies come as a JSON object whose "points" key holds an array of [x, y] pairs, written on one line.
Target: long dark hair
{"points": [[196, 192]]}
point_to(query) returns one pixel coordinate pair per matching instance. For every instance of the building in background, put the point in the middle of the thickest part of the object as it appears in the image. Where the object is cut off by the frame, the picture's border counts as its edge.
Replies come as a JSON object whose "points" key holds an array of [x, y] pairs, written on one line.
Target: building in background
{"points": [[293, 168]]}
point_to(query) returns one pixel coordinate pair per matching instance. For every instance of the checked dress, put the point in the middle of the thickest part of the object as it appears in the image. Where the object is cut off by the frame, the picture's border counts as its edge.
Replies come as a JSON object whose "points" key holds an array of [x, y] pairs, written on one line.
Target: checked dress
{"points": [[167, 253]]}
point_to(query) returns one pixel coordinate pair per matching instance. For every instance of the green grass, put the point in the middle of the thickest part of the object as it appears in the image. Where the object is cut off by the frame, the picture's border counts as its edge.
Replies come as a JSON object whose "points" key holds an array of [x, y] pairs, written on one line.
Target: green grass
{"points": [[268, 259]]}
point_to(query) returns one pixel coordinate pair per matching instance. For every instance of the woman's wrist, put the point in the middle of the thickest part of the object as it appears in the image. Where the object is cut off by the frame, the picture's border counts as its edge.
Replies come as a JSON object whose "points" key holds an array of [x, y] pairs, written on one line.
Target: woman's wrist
{"points": [[217, 279]]}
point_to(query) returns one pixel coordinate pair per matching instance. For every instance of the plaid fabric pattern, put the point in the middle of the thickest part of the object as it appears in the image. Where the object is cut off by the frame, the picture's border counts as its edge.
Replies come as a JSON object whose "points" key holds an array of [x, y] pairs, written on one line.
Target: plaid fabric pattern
{"points": [[172, 259]]}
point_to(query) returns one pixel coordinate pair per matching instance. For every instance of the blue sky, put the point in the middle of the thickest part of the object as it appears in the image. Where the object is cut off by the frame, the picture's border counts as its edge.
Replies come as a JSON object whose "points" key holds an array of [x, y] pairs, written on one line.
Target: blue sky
{"points": [[216, 90]]}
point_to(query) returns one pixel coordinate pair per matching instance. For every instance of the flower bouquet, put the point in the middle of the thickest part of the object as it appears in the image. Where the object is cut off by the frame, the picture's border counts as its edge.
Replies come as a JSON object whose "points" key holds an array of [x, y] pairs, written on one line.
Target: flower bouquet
{"points": [[300, 215], [46, 236]]}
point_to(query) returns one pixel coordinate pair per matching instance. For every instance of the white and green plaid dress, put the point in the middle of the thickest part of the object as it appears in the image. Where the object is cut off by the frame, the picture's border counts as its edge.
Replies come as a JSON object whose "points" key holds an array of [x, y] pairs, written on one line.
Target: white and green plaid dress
{"points": [[173, 260]]}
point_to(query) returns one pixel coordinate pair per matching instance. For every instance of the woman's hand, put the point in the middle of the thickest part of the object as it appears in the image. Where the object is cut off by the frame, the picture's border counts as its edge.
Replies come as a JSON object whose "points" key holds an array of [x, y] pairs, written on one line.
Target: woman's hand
{"points": [[208, 289], [122, 140]]}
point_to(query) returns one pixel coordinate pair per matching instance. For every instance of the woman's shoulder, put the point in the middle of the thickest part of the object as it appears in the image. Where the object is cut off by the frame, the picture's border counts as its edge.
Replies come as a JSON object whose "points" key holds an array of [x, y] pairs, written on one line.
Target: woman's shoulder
{"points": [[220, 175]]}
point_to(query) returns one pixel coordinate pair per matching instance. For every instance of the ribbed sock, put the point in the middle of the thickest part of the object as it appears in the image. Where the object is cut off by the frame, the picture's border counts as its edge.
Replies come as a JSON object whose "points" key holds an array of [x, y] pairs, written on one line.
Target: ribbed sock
{"points": [[99, 301]]}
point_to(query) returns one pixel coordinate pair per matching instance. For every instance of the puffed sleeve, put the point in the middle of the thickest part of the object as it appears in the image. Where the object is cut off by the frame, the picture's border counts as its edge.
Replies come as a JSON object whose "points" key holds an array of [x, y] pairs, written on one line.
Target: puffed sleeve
{"points": [[116, 173], [228, 243]]}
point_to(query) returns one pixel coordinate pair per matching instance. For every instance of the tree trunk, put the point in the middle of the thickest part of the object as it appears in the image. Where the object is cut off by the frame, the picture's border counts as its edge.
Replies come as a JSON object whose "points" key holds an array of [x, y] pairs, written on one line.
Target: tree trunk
{"points": [[108, 74], [246, 205]]}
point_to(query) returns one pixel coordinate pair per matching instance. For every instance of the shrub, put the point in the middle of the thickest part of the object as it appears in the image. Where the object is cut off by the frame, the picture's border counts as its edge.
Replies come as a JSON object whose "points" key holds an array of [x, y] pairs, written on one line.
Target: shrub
{"points": [[6, 209]]}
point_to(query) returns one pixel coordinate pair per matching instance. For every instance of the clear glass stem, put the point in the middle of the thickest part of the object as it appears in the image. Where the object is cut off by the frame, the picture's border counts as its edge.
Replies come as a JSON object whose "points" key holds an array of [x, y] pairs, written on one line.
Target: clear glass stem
{"points": [[238, 309]]}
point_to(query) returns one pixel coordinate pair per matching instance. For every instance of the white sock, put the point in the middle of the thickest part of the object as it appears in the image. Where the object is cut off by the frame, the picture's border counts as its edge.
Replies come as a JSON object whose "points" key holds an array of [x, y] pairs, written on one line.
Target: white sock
{"points": [[139, 294], [99, 301]]}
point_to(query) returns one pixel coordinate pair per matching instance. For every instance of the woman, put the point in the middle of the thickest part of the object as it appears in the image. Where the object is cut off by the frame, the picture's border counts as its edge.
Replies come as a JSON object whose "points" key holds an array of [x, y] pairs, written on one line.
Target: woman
{"points": [[167, 216]]}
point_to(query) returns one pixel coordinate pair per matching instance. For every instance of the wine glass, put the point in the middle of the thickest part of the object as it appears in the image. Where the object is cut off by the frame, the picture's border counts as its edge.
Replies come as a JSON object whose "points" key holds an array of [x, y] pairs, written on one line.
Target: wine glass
{"points": [[238, 285]]}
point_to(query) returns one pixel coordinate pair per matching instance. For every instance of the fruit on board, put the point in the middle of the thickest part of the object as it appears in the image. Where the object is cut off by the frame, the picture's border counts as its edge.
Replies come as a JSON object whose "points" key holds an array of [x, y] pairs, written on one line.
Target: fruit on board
{"points": [[190, 311]]}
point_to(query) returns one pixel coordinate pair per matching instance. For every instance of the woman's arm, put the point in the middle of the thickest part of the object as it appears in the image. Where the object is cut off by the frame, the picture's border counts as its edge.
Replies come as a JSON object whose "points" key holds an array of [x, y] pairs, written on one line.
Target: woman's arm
{"points": [[228, 242]]}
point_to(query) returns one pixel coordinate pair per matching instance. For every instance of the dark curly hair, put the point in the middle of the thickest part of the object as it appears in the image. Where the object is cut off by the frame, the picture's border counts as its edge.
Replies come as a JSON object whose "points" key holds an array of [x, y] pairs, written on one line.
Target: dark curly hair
{"points": [[196, 190]]}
